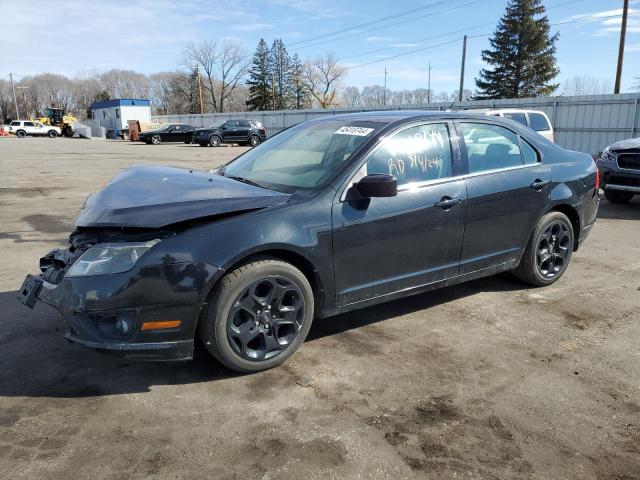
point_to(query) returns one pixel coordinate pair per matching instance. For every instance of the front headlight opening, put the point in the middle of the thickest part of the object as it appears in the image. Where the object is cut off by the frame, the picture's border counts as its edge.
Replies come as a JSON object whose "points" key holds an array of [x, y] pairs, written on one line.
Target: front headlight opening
{"points": [[109, 258]]}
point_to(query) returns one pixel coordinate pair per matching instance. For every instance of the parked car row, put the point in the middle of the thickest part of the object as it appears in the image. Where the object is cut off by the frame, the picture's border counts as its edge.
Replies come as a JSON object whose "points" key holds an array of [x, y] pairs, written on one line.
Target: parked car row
{"points": [[243, 132]]}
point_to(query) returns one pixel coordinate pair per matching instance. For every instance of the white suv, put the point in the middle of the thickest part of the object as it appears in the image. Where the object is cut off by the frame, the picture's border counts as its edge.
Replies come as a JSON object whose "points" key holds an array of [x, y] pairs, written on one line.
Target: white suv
{"points": [[22, 128], [533, 119]]}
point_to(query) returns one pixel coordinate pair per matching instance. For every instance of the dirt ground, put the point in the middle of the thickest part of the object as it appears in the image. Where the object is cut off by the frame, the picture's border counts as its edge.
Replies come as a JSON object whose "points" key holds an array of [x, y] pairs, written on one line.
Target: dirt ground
{"points": [[484, 380]]}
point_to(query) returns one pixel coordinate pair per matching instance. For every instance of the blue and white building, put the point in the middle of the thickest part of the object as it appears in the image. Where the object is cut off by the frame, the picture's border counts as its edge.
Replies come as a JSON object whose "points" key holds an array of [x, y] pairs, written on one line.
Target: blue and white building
{"points": [[114, 114]]}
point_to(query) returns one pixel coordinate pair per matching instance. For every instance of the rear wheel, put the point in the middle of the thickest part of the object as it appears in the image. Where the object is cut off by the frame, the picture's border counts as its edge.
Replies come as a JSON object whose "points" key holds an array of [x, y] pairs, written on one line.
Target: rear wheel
{"points": [[548, 252], [21, 134], [215, 140], [52, 134], [259, 315], [254, 140], [617, 196], [155, 140]]}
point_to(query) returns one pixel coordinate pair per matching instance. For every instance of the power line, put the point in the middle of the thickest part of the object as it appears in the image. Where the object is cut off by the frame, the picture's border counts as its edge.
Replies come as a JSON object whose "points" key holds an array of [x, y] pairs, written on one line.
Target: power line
{"points": [[392, 24], [446, 34], [474, 36], [372, 22]]}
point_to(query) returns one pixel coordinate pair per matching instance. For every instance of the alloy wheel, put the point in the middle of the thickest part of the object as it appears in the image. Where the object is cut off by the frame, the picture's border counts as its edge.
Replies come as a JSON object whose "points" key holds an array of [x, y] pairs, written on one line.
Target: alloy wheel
{"points": [[155, 140], [214, 141], [254, 140], [553, 250], [265, 318]]}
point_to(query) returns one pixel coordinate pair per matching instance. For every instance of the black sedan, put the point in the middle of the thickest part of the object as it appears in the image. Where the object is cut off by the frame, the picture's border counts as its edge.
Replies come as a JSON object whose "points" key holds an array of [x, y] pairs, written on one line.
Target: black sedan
{"points": [[178, 132], [328, 216], [619, 165], [243, 132]]}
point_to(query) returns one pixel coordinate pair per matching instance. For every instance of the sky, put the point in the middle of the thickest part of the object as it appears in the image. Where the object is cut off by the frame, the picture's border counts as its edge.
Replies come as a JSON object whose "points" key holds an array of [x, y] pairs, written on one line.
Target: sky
{"points": [[74, 37]]}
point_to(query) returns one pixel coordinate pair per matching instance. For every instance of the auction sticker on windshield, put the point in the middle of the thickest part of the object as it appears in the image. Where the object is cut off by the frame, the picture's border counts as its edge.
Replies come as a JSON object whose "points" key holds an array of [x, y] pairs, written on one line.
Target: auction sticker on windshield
{"points": [[358, 131]]}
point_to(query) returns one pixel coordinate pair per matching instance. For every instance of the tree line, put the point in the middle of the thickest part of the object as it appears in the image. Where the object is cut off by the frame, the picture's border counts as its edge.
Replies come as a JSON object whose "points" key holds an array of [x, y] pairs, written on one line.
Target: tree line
{"points": [[221, 77]]}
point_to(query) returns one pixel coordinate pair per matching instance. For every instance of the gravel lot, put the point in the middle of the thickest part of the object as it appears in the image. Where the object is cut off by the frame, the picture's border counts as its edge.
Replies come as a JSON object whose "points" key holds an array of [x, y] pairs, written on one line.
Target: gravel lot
{"points": [[483, 380]]}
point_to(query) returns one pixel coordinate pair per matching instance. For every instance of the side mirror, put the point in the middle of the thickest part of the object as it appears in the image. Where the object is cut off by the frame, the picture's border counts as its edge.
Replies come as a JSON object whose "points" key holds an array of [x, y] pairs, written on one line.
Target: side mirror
{"points": [[377, 185]]}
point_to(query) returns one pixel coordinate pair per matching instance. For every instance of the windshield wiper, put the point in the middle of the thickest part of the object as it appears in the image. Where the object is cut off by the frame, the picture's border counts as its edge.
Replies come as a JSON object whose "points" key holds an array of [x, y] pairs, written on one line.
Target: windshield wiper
{"points": [[244, 180]]}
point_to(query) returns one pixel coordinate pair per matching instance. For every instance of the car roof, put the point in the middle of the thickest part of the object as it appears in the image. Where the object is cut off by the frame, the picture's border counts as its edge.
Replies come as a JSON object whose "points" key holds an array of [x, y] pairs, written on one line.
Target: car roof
{"points": [[392, 116]]}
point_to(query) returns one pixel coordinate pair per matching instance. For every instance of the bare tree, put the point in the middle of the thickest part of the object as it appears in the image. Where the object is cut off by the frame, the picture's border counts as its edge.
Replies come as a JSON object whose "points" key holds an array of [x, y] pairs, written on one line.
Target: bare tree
{"points": [[351, 97], [586, 85], [232, 64], [324, 75], [222, 68]]}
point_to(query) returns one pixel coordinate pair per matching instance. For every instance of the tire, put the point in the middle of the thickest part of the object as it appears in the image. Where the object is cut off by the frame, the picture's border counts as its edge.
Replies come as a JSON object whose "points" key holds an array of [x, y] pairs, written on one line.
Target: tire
{"points": [[215, 140], [156, 140], [52, 134], [187, 142], [616, 196], [67, 131], [229, 331], [203, 144], [21, 134], [254, 140], [548, 252]]}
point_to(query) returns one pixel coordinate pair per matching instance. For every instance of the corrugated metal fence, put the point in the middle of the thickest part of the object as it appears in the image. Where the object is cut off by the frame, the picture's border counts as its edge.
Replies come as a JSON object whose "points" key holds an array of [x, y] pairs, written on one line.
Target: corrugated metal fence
{"points": [[584, 123]]}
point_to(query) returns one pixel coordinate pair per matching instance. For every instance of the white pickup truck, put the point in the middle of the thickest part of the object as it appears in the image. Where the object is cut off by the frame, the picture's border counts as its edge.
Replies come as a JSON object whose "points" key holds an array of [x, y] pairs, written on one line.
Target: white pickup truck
{"points": [[22, 128]]}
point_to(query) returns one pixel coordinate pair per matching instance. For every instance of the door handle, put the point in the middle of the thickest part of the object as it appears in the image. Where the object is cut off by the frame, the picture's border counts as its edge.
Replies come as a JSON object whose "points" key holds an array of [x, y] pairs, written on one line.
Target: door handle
{"points": [[537, 184], [446, 203]]}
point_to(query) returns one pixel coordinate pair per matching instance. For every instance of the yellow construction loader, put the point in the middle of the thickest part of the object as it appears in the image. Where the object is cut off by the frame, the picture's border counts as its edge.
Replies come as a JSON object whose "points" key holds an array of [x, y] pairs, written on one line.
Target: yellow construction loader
{"points": [[58, 118]]}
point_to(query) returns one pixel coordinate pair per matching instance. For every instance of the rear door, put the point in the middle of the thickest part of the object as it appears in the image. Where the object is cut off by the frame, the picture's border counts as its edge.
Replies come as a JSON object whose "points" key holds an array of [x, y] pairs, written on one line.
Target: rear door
{"points": [[386, 245], [506, 190], [242, 131]]}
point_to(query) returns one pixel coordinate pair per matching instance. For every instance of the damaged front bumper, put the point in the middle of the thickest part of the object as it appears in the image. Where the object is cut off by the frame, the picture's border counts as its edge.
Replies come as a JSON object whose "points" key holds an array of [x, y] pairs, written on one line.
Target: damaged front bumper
{"points": [[147, 313]]}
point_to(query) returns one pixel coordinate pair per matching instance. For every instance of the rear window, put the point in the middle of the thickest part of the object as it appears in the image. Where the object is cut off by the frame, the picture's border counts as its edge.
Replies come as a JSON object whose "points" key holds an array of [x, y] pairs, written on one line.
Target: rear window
{"points": [[15, 124], [243, 124], [519, 117], [539, 122]]}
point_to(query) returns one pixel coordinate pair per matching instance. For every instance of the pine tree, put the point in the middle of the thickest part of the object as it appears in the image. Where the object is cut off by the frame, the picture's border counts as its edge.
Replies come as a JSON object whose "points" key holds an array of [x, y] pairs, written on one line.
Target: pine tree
{"points": [[281, 71], [522, 55], [260, 79], [300, 94]]}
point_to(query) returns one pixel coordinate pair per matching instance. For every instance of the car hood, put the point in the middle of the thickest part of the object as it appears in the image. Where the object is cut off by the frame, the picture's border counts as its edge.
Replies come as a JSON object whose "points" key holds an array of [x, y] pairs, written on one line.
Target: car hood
{"points": [[154, 197], [631, 143]]}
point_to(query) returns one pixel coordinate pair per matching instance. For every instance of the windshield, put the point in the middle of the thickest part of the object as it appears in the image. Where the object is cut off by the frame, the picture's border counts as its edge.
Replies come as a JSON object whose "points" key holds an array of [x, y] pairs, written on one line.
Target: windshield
{"points": [[302, 157], [217, 124]]}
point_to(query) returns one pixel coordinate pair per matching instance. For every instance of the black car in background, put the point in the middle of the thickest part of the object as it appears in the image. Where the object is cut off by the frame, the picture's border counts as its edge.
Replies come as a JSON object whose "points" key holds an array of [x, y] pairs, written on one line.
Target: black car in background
{"points": [[177, 132], [329, 216], [249, 132], [619, 167]]}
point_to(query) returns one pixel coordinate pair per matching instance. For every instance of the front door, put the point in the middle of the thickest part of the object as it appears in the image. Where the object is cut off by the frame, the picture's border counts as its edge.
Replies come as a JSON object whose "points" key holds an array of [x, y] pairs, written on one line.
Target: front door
{"points": [[506, 188], [386, 245], [229, 131]]}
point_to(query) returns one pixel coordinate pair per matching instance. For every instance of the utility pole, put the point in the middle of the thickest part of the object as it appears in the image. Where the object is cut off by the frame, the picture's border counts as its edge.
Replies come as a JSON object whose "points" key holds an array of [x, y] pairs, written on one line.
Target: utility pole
{"points": [[464, 55], [15, 100], [24, 99], [429, 85], [623, 32], [199, 90], [384, 94]]}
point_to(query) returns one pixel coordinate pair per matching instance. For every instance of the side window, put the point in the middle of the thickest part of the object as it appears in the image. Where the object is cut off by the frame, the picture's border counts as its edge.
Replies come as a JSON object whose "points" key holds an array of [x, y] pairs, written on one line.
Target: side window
{"points": [[519, 117], [490, 147], [529, 154], [28, 124], [539, 122], [231, 124], [415, 154], [177, 127], [243, 124], [15, 124]]}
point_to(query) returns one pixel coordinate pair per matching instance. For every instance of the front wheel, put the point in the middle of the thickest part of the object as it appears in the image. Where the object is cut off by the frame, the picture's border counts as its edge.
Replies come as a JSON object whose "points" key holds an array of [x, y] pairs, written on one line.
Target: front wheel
{"points": [[617, 196], [548, 252], [258, 316], [155, 140], [215, 140]]}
